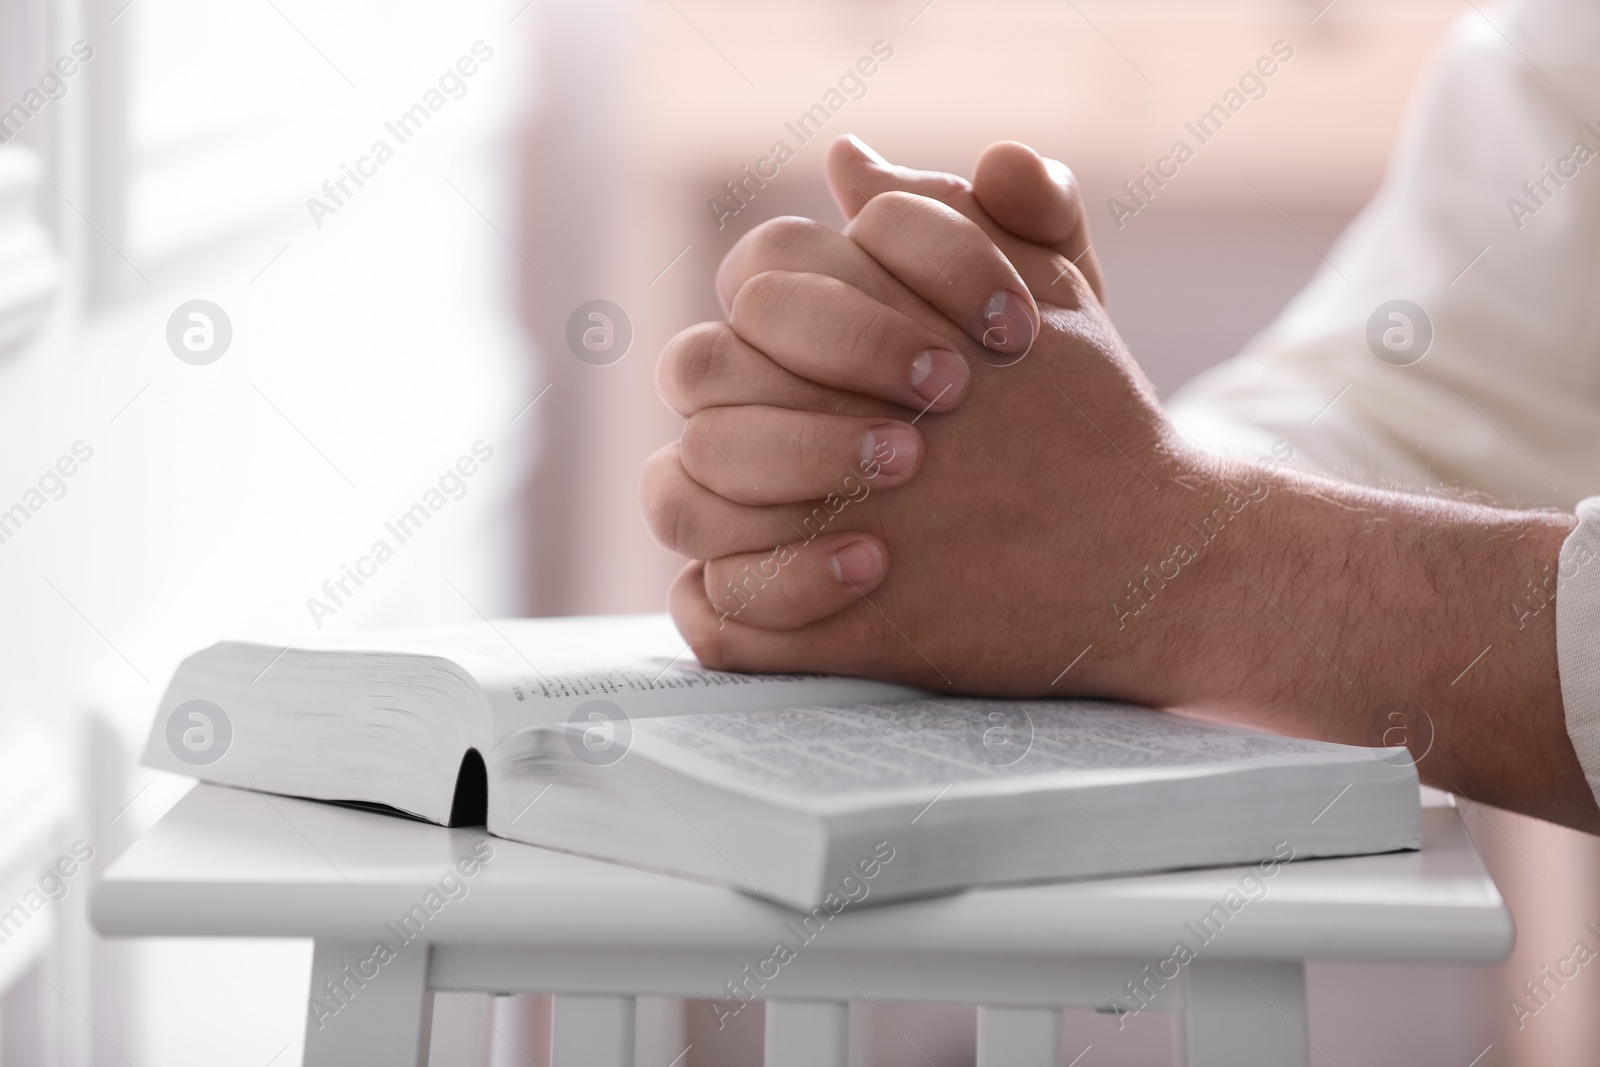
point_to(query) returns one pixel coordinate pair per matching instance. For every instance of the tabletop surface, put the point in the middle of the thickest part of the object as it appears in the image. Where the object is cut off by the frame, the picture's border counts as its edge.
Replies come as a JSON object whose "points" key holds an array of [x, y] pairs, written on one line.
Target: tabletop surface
{"points": [[230, 862]]}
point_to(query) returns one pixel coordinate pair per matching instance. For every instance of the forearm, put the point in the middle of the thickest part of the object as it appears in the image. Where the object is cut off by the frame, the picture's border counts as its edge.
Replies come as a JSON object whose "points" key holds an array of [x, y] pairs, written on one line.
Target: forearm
{"points": [[1370, 617]]}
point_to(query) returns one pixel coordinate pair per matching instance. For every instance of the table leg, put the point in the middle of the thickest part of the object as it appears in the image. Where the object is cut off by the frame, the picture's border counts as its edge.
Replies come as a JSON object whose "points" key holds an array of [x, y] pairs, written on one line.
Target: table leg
{"points": [[1019, 1037], [592, 1032], [862, 1021], [660, 1031], [521, 1031], [1246, 1014], [807, 1034], [365, 1010]]}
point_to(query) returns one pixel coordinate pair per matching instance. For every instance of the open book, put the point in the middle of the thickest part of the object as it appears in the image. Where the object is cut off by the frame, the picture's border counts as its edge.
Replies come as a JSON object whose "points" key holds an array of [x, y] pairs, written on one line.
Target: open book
{"points": [[603, 736]]}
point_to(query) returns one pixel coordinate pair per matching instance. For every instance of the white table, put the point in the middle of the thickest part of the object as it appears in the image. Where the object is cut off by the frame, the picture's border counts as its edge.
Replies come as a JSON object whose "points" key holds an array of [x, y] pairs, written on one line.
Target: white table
{"points": [[228, 863]]}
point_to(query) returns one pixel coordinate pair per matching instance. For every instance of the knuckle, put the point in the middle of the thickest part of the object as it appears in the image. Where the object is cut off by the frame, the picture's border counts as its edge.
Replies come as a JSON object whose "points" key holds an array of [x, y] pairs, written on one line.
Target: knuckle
{"points": [[693, 362], [722, 586], [766, 296], [867, 344], [897, 204], [1071, 289], [777, 240], [973, 257], [669, 511], [681, 523], [903, 212], [812, 443], [703, 630], [948, 187], [693, 446]]}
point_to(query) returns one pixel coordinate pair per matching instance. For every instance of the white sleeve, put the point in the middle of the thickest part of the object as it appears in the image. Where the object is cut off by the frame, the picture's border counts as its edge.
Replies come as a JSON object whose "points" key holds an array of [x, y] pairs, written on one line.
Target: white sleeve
{"points": [[1578, 637], [1487, 221], [1474, 226]]}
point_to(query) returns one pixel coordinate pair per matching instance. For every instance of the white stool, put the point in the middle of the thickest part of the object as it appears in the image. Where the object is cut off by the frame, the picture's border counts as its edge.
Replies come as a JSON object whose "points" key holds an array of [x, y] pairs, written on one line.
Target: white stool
{"points": [[227, 862]]}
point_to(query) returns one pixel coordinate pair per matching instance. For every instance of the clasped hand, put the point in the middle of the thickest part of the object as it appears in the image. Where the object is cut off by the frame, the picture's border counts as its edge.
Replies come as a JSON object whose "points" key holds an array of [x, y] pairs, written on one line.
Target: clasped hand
{"points": [[917, 449]]}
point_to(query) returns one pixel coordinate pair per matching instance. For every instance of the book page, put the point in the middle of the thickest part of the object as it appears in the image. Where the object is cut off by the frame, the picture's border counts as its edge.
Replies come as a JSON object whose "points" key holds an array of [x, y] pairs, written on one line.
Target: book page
{"points": [[538, 672], [630, 667], [930, 743]]}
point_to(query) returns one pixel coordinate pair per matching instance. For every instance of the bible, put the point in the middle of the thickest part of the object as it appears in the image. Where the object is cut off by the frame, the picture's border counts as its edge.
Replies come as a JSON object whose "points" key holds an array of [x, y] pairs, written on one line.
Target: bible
{"points": [[602, 736]]}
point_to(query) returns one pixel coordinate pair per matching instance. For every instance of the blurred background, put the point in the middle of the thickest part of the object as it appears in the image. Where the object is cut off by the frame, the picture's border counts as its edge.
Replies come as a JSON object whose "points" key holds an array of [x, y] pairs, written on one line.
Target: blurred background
{"points": [[379, 328]]}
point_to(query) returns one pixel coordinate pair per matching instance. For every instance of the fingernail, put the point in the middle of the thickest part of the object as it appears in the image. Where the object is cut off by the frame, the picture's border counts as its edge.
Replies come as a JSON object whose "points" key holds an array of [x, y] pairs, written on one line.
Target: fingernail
{"points": [[1007, 326], [893, 447], [857, 563], [939, 377], [867, 150]]}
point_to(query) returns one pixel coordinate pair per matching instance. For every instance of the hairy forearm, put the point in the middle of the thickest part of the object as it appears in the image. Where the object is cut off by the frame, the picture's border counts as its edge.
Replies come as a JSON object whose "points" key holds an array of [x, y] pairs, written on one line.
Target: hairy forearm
{"points": [[1370, 617]]}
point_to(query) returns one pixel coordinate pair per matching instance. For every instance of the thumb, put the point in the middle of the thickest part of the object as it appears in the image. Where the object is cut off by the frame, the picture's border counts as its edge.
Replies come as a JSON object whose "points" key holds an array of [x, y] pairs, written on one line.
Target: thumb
{"points": [[1038, 200]]}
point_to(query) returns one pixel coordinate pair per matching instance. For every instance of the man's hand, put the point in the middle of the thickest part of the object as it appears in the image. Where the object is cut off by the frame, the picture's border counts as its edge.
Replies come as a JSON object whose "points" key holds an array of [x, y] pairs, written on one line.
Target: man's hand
{"points": [[1042, 530], [802, 479]]}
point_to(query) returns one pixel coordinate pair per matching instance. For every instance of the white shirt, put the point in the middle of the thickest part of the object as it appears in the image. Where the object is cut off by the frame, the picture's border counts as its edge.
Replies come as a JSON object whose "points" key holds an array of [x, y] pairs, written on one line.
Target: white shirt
{"points": [[1506, 400]]}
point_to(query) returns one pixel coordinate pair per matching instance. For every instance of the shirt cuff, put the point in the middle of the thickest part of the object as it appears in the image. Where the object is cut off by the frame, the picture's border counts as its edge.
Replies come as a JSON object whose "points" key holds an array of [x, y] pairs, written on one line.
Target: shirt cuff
{"points": [[1577, 581]]}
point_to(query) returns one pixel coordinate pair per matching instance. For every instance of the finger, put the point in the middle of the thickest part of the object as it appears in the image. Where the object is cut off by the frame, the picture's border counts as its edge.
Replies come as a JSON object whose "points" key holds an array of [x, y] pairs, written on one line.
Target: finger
{"points": [[794, 243], [709, 365], [1038, 200], [857, 173], [795, 584], [806, 246], [830, 332], [1016, 197], [724, 643], [947, 259], [687, 518], [764, 455]]}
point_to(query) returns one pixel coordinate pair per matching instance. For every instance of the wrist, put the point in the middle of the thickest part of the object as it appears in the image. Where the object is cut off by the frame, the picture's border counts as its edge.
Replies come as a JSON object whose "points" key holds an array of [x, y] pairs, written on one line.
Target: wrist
{"points": [[1189, 631], [1247, 533]]}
